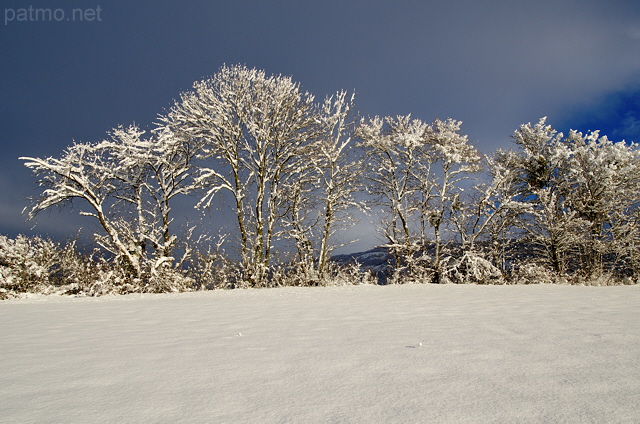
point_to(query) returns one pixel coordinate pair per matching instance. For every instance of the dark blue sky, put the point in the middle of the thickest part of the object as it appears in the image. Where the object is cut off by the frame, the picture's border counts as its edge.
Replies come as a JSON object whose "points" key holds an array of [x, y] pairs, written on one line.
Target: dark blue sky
{"points": [[492, 64]]}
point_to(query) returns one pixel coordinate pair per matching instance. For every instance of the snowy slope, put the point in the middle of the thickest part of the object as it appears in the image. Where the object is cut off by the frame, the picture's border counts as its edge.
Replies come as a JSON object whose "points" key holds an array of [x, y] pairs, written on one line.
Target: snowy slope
{"points": [[353, 354]]}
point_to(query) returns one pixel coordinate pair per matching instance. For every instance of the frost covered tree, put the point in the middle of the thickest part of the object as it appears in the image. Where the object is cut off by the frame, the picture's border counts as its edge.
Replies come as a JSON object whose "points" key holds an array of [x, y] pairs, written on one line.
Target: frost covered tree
{"points": [[583, 189], [152, 171], [171, 172], [251, 128], [300, 218], [80, 174], [491, 211], [127, 157], [396, 148], [332, 180], [458, 159], [322, 194], [128, 182], [538, 165], [601, 184], [416, 175], [339, 169]]}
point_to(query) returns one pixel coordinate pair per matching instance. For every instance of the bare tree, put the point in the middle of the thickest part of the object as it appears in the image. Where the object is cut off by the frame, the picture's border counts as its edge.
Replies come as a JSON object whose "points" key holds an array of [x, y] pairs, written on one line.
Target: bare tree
{"points": [[394, 146], [406, 156], [335, 162], [322, 193], [458, 160], [80, 174], [171, 175], [491, 211], [252, 127], [129, 182]]}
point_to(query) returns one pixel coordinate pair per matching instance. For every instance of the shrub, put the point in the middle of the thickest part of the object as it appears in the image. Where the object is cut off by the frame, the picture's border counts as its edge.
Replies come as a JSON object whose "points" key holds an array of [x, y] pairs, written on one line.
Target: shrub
{"points": [[470, 268], [533, 273], [37, 265], [26, 264]]}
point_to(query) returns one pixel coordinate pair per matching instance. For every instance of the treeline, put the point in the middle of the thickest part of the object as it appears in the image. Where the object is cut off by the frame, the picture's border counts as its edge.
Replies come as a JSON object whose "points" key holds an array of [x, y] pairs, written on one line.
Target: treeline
{"points": [[294, 172]]}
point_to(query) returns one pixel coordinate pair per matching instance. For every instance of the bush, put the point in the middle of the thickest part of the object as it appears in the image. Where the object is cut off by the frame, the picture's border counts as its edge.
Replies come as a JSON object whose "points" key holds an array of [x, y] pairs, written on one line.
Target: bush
{"points": [[211, 270], [601, 279], [27, 264], [335, 275], [470, 268], [164, 278], [37, 265], [533, 273]]}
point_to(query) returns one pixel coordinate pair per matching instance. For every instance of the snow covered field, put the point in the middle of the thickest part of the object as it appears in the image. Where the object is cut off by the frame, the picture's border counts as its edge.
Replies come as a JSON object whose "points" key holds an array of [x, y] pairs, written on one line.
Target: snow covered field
{"points": [[353, 354]]}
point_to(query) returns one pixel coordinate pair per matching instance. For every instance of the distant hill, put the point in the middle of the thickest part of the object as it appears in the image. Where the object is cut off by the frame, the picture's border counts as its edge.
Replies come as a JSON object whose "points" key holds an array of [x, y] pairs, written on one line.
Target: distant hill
{"points": [[377, 260]]}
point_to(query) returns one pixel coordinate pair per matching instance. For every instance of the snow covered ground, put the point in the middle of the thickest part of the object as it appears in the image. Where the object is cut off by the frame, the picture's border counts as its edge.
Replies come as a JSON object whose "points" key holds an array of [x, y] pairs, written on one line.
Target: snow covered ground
{"points": [[353, 354]]}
